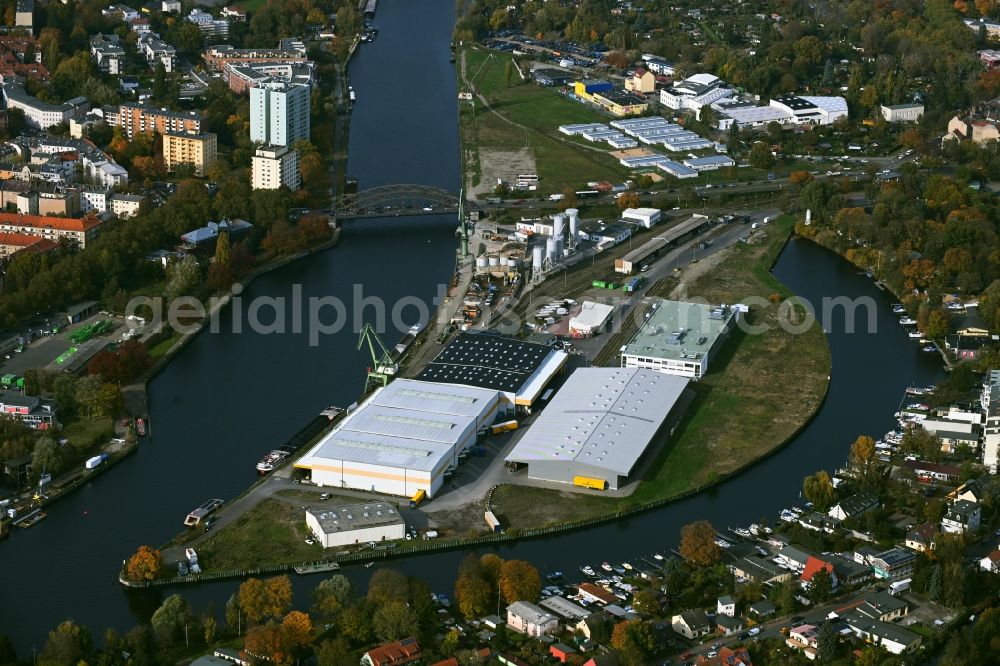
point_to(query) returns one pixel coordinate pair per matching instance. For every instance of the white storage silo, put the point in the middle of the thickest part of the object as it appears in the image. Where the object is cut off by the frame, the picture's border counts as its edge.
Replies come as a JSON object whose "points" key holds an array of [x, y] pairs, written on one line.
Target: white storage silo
{"points": [[574, 226], [558, 223], [482, 261], [537, 254], [551, 248], [494, 261]]}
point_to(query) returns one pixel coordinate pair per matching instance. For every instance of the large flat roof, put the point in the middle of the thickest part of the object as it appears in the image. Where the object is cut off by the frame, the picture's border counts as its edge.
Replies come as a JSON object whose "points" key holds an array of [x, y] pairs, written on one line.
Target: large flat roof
{"points": [[677, 330], [348, 517], [493, 361], [603, 417], [408, 424]]}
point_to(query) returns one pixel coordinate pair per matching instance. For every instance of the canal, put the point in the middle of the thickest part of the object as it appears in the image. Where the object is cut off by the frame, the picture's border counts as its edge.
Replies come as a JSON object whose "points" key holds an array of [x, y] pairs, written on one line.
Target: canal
{"points": [[229, 397]]}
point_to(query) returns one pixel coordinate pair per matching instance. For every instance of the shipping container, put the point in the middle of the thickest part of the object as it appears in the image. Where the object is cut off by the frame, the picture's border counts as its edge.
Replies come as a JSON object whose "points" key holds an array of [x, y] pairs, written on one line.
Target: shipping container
{"points": [[600, 284], [590, 482], [492, 521], [503, 427]]}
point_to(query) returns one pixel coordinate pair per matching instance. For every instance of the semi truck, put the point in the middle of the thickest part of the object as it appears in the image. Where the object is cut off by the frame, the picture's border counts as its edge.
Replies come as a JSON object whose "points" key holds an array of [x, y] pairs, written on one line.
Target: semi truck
{"points": [[417, 499]]}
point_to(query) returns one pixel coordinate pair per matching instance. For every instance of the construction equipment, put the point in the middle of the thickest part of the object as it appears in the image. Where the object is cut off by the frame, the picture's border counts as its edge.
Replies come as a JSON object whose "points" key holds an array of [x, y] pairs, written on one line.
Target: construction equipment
{"points": [[383, 368]]}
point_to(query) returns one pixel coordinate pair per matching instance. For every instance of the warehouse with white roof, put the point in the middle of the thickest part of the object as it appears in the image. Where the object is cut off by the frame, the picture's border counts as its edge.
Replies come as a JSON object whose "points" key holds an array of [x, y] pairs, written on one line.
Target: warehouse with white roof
{"points": [[404, 438], [596, 428]]}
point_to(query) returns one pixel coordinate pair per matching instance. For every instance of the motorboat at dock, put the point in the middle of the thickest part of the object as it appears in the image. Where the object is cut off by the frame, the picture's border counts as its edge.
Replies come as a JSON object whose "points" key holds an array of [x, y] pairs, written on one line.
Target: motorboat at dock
{"points": [[194, 518]]}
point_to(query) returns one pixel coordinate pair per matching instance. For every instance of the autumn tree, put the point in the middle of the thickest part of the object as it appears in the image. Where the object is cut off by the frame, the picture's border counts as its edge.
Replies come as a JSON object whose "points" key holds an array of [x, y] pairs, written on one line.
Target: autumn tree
{"points": [[394, 620], [262, 599], [474, 594], [634, 641], [265, 642], [819, 490], [387, 585], [519, 581], [864, 462], [145, 564], [628, 200], [698, 544], [799, 178], [332, 595], [296, 632]]}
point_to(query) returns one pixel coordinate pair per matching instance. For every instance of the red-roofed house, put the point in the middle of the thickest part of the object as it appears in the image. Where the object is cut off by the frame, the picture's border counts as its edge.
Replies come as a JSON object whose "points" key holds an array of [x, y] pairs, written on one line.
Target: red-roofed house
{"points": [[813, 565], [401, 652], [641, 81], [593, 593], [12, 243]]}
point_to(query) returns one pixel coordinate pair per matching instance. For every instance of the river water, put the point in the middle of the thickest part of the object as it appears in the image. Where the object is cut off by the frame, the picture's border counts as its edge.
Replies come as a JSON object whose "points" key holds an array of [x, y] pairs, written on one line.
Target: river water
{"points": [[229, 397]]}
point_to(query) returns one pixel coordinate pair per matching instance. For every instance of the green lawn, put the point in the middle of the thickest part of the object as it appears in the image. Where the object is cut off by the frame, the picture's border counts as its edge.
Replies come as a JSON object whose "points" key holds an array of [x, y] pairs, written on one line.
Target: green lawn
{"points": [[84, 433], [162, 347], [759, 391], [274, 532], [560, 160]]}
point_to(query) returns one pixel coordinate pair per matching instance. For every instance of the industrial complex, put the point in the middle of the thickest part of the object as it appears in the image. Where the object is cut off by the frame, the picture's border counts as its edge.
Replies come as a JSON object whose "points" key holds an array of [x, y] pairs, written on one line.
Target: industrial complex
{"points": [[597, 427], [519, 370], [680, 338], [404, 438]]}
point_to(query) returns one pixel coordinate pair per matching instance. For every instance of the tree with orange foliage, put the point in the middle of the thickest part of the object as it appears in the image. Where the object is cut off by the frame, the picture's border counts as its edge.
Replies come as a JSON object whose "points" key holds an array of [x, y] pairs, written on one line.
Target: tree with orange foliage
{"points": [[628, 200], [296, 631], [698, 544], [519, 581], [799, 177], [262, 599], [265, 643], [146, 564]]}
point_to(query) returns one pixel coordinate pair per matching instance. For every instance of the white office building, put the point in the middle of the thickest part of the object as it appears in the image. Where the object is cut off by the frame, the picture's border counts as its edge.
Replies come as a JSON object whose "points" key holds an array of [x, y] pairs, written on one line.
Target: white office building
{"points": [[902, 113], [274, 166], [279, 113]]}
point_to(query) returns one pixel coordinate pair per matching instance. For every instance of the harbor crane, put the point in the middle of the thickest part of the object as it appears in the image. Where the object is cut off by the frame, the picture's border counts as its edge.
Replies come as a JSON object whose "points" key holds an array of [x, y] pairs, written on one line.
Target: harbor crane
{"points": [[383, 368]]}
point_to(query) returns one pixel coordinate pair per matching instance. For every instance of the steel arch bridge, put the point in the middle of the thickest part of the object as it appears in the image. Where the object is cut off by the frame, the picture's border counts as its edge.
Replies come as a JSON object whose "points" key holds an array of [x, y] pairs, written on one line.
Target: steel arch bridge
{"points": [[389, 200]]}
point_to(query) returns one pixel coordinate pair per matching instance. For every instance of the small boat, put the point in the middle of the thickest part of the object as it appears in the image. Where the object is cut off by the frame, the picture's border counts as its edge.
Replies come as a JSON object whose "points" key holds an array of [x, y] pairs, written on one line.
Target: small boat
{"points": [[930, 349], [197, 515], [606, 566], [898, 309], [916, 335], [627, 565], [271, 461], [554, 576], [722, 543], [907, 321], [32, 519], [369, 565], [588, 571], [657, 556], [319, 567], [140, 427]]}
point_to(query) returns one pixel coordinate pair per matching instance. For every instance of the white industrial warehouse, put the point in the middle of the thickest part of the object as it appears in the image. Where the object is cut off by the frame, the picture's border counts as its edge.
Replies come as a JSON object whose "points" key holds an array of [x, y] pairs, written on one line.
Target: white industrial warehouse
{"points": [[404, 438], [344, 525], [519, 370], [598, 425]]}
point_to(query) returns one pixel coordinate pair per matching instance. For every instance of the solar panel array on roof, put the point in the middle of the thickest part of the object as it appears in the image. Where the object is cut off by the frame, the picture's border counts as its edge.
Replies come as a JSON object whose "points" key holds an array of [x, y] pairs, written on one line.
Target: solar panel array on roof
{"points": [[488, 361]]}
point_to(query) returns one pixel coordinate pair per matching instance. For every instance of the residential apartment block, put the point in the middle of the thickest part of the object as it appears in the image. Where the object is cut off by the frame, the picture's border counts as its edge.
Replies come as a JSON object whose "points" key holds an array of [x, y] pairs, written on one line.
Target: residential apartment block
{"points": [[279, 113], [274, 166], [52, 228], [198, 150], [140, 117]]}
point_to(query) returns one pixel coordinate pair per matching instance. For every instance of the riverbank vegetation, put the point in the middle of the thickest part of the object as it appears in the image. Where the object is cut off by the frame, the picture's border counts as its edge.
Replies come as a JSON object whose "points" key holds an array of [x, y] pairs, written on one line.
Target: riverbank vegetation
{"points": [[272, 532], [760, 390]]}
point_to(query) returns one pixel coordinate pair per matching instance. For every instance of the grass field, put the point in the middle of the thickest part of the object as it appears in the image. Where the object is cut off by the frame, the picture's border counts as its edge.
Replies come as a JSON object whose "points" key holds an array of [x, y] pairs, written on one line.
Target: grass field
{"points": [[759, 391], [536, 113], [84, 433], [273, 532]]}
